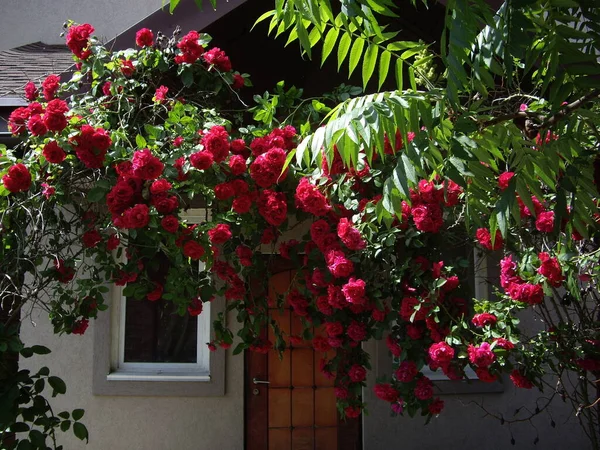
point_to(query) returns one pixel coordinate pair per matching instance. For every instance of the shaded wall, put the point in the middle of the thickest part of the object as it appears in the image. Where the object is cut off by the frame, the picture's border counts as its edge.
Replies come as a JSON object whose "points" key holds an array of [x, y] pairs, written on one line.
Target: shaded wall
{"points": [[149, 423]]}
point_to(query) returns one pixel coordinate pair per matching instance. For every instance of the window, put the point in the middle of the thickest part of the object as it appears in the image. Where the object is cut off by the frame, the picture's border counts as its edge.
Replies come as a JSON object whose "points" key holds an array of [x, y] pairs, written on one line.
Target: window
{"points": [[146, 348]]}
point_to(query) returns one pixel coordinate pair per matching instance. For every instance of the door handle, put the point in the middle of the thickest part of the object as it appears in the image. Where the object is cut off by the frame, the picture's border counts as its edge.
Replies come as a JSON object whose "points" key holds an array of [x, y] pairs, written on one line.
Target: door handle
{"points": [[257, 381]]}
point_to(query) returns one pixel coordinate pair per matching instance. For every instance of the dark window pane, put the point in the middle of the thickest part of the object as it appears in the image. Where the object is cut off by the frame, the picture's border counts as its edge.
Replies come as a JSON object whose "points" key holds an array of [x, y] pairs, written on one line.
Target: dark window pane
{"points": [[154, 332]]}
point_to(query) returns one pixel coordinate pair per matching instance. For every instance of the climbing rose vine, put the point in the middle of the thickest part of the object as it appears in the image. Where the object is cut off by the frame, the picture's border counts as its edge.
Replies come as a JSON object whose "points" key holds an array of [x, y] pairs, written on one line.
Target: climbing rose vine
{"points": [[138, 137]]}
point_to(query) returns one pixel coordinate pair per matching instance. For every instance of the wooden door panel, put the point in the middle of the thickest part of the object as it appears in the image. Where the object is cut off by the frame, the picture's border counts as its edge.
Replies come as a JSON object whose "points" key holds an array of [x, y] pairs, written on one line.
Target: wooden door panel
{"points": [[297, 409]]}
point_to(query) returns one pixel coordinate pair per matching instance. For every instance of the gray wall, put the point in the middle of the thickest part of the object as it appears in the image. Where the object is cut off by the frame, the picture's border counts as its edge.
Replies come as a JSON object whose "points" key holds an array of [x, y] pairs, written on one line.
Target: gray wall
{"points": [[132, 423], [26, 21], [462, 424]]}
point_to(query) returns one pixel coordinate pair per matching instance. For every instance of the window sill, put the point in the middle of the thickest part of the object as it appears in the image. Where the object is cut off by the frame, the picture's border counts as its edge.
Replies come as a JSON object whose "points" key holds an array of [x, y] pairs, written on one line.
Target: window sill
{"points": [[157, 376]]}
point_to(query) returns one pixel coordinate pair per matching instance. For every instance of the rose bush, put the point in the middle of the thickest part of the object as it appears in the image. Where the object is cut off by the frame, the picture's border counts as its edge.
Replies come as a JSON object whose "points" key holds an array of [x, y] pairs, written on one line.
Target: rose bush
{"points": [[137, 137]]}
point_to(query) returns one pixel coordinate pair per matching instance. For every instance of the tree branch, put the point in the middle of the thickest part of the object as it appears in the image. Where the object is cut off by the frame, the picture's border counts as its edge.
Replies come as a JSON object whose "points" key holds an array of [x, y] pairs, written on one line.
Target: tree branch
{"points": [[543, 121]]}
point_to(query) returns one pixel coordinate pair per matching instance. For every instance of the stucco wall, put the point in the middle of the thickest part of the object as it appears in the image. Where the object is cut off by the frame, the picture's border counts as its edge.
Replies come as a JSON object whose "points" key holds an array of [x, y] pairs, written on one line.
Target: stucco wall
{"points": [[26, 21], [148, 423]]}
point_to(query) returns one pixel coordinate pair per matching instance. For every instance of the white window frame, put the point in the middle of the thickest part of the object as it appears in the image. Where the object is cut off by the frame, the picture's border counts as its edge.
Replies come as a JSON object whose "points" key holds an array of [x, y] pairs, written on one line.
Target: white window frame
{"points": [[114, 376]]}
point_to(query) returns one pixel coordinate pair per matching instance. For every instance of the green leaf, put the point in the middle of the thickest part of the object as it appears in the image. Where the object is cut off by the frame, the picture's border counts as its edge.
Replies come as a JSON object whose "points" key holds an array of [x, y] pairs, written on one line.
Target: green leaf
{"points": [[58, 385], [330, 40], [65, 425], [343, 48], [303, 36], [96, 194], [369, 63], [78, 414], [80, 431], [399, 74], [140, 141], [37, 438], [384, 66], [355, 54], [172, 5]]}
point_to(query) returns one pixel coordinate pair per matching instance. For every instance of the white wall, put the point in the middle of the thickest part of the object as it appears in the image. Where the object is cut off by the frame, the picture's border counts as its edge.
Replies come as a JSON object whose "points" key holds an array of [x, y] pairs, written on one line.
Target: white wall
{"points": [[26, 21], [132, 423]]}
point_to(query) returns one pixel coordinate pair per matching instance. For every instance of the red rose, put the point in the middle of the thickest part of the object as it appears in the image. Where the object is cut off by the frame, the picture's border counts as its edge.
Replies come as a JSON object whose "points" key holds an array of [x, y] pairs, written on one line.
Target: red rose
{"points": [[310, 199], [195, 308], [216, 142], [201, 160], [484, 238], [357, 373], [50, 85], [386, 392], [36, 125], [483, 319], [237, 165], [349, 235], [193, 250], [393, 346], [144, 38], [146, 165], [178, 141], [244, 254], [223, 191], [338, 264], [354, 291], [357, 331], [504, 180], [429, 193], [441, 353], [91, 238], [436, 406], [64, 272], [320, 344], [407, 309], [80, 326], [220, 234], [17, 121], [453, 192], [545, 222], [520, 380], [31, 91], [242, 204], [238, 81], [17, 179], [352, 412], [78, 40], [160, 186], [53, 153], [106, 88], [484, 375], [481, 356], [190, 49], [112, 242], [272, 206], [170, 224], [266, 169], [165, 204], [55, 121], [160, 95], [424, 389], [550, 269], [155, 294], [527, 293], [406, 372], [217, 57], [341, 392], [428, 217], [127, 68], [137, 216]]}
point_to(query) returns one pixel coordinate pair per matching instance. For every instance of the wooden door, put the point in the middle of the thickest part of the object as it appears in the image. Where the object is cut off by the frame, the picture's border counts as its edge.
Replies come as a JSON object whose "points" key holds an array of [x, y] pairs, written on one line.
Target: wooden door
{"points": [[296, 410]]}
